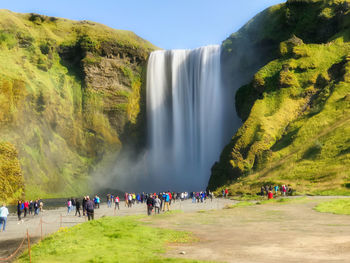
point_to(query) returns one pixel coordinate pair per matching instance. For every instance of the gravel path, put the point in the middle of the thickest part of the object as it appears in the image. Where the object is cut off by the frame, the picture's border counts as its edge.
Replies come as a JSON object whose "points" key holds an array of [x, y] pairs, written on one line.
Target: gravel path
{"points": [[54, 219]]}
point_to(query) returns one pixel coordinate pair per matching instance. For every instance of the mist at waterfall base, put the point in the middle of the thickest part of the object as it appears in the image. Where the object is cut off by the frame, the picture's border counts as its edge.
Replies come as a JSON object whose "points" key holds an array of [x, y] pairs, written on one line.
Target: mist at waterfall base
{"points": [[190, 119]]}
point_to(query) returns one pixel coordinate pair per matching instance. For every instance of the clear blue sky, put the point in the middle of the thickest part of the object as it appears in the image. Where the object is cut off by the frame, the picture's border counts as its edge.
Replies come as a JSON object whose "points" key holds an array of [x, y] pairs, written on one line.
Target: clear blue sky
{"points": [[168, 24]]}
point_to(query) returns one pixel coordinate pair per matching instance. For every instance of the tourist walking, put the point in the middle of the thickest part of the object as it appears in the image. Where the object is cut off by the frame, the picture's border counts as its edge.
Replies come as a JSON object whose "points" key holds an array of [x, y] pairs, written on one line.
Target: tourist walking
{"points": [[150, 204], [270, 195], [116, 201], [166, 202], [109, 202], [31, 205], [41, 205], [69, 205], [77, 207], [36, 207], [20, 208], [3, 217], [26, 208], [83, 205], [89, 207], [156, 204]]}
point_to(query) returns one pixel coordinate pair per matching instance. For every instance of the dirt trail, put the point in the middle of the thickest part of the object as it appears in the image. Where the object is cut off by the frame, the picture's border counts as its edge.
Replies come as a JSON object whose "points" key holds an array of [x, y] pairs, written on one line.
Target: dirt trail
{"points": [[264, 233]]}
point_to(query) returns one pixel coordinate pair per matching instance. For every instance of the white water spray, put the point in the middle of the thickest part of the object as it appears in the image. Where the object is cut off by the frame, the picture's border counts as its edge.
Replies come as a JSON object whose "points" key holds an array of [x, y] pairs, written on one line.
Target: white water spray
{"points": [[190, 117]]}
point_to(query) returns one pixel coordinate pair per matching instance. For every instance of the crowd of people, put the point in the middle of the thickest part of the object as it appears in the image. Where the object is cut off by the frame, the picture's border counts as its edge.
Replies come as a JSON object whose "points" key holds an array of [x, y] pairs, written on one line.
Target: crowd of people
{"points": [[270, 190], [28, 208], [155, 203]]}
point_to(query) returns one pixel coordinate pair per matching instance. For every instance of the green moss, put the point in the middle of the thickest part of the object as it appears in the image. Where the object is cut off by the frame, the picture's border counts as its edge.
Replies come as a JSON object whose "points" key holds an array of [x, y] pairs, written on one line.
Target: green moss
{"points": [[50, 105], [295, 117], [11, 178]]}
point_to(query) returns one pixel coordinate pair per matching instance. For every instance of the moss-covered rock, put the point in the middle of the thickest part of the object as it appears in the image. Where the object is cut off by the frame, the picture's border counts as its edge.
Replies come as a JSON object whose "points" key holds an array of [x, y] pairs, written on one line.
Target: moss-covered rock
{"points": [[296, 121], [11, 187], [69, 96]]}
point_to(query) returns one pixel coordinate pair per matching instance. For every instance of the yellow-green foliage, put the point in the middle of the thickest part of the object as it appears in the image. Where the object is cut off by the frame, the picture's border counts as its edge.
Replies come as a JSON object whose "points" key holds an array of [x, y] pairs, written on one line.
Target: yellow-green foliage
{"points": [[299, 132], [12, 94], [11, 180], [295, 110], [59, 118], [338, 206]]}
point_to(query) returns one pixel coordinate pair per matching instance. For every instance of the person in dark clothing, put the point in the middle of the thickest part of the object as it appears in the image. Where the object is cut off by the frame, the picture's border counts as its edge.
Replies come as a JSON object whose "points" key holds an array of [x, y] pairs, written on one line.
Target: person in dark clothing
{"points": [[150, 204], [89, 207], [36, 207], [262, 191], [77, 207], [19, 210], [31, 205], [83, 204], [266, 189]]}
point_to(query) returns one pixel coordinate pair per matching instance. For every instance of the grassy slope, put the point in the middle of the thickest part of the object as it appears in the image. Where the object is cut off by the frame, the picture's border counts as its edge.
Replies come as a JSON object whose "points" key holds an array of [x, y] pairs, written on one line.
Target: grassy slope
{"points": [[118, 239], [58, 123], [339, 206], [297, 108]]}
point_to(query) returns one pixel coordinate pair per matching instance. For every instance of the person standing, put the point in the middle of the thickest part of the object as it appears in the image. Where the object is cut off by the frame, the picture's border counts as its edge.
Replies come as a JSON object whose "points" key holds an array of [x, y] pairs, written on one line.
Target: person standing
{"points": [[26, 208], [31, 205], [77, 207], [126, 198], [19, 209], [73, 203], [83, 205], [129, 200], [69, 205], [156, 205], [41, 205], [89, 207], [3, 217], [36, 207], [166, 202], [116, 201], [270, 195], [98, 201], [150, 204], [109, 203]]}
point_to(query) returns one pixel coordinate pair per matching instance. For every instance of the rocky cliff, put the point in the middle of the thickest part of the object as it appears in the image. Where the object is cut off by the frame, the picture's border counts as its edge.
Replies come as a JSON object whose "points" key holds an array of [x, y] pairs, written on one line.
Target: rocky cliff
{"points": [[294, 103], [69, 96]]}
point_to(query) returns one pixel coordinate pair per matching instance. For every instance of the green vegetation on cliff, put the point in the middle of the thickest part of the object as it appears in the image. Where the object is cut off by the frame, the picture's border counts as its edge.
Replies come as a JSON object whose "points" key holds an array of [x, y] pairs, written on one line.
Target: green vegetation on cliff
{"points": [[69, 95], [296, 109], [10, 173]]}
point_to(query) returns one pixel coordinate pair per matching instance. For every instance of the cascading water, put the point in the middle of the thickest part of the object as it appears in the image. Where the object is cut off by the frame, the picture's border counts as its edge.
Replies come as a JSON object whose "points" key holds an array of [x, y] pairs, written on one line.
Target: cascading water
{"points": [[190, 117]]}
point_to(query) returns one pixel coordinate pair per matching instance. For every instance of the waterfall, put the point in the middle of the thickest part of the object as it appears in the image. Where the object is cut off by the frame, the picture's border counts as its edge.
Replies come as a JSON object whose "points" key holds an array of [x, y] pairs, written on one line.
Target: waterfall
{"points": [[189, 116]]}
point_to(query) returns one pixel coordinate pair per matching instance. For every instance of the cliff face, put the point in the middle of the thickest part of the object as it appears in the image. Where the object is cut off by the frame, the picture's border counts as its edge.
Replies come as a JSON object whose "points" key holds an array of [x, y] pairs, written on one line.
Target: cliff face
{"points": [[69, 96], [295, 107]]}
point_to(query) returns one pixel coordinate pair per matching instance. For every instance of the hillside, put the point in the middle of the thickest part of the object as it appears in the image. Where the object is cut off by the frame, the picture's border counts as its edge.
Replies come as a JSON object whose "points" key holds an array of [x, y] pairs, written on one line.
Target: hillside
{"points": [[69, 96], [296, 106]]}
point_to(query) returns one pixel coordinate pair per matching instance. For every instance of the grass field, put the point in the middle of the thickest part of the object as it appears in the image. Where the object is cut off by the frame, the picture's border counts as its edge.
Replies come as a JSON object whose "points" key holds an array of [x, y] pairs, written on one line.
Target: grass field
{"points": [[109, 239], [339, 206]]}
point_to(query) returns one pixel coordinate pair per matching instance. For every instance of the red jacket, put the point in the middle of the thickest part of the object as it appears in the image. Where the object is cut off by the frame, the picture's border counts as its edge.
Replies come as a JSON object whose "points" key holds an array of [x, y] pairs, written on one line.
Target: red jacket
{"points": [[270, 195]]}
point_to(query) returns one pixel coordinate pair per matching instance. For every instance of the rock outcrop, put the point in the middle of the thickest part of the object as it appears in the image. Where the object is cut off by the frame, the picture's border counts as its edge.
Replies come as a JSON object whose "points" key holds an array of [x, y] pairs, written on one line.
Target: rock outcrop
{"points": [[70, 95], [296, 119]]}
